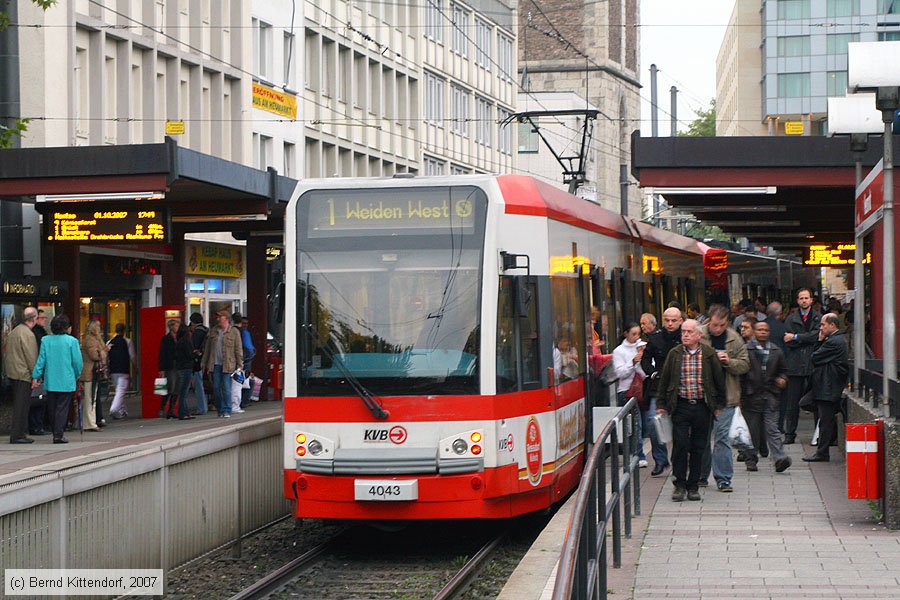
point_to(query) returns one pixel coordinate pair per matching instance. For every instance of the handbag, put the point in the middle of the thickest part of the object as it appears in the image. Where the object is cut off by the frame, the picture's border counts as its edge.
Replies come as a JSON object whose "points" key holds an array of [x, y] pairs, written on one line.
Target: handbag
{"points": [[101, 371], [636, 390]]}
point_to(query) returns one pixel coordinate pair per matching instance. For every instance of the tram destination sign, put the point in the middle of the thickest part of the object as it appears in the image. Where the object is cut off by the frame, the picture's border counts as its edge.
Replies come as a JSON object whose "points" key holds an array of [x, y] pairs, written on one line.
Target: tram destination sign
{"points": [[102, 224], [409, 211]]}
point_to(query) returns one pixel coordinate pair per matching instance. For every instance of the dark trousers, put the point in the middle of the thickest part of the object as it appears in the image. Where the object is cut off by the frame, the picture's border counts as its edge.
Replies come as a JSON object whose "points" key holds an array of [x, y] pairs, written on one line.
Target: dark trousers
{"points": [[790, 408], [690, 434], [58, 404], [21, 397], [36, 414], [826, 411]]}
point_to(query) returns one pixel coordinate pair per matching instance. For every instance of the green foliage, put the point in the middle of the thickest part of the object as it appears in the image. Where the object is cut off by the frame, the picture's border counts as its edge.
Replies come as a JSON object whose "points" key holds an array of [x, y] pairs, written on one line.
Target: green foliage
{"points": [[20, 125], [705, 123]]}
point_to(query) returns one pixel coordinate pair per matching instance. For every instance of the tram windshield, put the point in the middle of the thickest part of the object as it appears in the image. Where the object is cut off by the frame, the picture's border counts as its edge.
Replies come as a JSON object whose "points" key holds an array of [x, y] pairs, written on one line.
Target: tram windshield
{"points": [[388, 289]]}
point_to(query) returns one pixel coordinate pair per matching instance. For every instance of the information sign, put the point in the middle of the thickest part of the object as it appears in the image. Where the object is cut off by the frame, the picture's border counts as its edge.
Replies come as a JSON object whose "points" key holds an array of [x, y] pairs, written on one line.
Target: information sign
{"points": [[174, 127], [793, 128], [102, 224], [838, 255]]}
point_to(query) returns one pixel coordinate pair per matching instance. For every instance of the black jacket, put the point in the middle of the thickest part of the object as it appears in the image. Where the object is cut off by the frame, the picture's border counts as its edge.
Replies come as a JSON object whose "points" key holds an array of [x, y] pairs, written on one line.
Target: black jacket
{"points": [[198, 338], [167, 353], [831, 368], [711, 373], [119, 356], [184, 352], [799, 351], [776, 333], [659, 344], [758, 385]]}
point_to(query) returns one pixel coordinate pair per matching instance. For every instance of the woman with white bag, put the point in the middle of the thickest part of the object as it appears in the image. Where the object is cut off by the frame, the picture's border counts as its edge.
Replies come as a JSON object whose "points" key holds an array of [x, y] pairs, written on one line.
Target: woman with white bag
{"points": [[627, 364]]}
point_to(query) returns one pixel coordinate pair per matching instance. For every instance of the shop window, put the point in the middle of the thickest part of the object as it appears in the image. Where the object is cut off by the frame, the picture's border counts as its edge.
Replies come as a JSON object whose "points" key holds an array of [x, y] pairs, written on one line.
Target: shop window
{"points": [[195, 285], [214, 286]]}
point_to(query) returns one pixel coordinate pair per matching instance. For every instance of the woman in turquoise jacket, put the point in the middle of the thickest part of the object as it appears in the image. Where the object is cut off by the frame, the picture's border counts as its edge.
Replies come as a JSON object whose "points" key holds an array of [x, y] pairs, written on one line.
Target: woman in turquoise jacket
{"points": [[59, 365]]}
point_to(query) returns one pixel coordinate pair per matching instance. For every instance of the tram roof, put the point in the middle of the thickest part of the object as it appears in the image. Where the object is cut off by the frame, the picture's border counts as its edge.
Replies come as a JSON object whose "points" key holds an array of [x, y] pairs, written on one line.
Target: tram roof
{"points": [[784, 192]]}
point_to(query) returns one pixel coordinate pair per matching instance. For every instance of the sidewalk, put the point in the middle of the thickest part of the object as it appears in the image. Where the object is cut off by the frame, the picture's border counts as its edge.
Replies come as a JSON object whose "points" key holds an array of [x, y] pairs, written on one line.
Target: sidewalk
{"points": [[779, 535]]}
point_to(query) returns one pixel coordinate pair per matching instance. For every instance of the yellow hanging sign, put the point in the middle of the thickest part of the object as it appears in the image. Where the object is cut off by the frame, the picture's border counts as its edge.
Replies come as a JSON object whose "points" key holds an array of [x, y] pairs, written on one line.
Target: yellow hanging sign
{"points": [[174, 127]]}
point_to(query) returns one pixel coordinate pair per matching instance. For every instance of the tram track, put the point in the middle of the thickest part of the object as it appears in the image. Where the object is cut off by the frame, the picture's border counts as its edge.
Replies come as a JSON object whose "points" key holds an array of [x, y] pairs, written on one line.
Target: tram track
{"points": [[363, 563]]}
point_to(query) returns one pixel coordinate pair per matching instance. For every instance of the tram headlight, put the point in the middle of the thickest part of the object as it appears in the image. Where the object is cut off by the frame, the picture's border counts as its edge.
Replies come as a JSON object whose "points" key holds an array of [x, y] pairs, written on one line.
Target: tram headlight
{"points": [[301, 438], [475, 437], [460, 446], [315, 447]]}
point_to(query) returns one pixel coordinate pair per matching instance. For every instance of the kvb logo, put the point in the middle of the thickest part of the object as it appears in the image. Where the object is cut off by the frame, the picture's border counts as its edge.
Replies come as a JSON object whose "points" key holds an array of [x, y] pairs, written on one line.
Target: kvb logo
{"points": [[398, 434]]}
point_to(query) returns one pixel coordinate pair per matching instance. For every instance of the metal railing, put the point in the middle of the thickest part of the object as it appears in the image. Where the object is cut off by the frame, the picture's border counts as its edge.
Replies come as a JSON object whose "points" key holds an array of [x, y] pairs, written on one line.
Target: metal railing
{"points": [[869, 385], [584, 560]]}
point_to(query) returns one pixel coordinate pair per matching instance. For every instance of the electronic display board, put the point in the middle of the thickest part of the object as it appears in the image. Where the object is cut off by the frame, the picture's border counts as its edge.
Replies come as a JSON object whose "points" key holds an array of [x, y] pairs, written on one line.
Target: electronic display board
{"points": [[837, 255], [101, 224]]}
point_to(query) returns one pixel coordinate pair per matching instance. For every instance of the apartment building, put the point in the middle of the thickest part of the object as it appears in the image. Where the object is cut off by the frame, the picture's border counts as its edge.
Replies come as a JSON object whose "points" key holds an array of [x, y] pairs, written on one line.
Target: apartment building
{"points": [[802, 59], [739, 73]]}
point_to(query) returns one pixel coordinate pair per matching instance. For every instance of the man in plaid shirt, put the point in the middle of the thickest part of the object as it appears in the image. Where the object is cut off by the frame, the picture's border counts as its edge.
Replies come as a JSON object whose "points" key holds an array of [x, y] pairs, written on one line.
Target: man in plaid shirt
{"points": [[691, 389]]}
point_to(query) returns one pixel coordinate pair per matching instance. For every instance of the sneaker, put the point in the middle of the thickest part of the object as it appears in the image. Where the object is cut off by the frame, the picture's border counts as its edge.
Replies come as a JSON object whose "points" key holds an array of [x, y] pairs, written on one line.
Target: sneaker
{"points": [[643, 464], [226, 416], [659, 470], [782, 464], [678, 494], [751, 466], [703, 483], [239, 410], [693, 495], [725, 487], [117, 415]]}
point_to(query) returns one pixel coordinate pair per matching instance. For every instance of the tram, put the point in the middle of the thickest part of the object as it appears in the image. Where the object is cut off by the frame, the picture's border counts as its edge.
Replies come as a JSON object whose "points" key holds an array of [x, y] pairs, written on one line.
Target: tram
{"points": [[424, 315]]}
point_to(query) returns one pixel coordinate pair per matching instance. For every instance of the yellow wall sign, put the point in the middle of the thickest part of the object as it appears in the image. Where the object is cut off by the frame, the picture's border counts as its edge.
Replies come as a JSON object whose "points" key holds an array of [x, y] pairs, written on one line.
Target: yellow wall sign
{"points": [[273, 101], [793, 128], [215, 261], [174, 127]]}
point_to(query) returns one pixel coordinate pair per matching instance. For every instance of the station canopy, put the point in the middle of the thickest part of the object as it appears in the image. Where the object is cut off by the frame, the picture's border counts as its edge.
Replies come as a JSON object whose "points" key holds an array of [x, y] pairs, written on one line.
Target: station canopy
{"points": [[783, 192]]}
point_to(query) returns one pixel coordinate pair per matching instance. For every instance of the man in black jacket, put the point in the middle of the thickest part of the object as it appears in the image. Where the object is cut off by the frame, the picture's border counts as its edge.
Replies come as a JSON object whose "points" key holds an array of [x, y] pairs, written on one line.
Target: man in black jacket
{"points": [[198, 338], [829, 379], [802, 331], [761, 396], [659, 343]]}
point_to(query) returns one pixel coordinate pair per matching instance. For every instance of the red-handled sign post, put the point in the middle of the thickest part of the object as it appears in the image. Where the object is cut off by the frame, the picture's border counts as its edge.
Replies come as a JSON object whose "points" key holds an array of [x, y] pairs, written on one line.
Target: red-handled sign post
{"points": [[865, 460]]}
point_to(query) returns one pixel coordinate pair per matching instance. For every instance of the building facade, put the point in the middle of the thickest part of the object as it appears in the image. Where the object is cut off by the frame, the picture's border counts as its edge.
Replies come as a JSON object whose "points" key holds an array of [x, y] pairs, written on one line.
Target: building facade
{"points": [[590, 48], [739, 72], [803, 58]]}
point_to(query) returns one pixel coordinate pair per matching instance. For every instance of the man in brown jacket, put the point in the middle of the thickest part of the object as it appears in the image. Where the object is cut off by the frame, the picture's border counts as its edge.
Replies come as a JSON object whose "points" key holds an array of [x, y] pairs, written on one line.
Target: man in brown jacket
{"points": [[691, 389], [18, 363], [223, 354]]}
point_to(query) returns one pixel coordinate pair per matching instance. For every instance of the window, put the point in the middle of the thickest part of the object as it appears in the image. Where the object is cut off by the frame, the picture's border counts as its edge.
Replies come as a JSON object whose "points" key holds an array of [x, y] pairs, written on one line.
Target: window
{"points": [[837, 83], [374, 87], [504, 132], [289, 158], [458, 170], [843, 8], [529, 142], [485, 122], [346, 74], [312, 61], [460, 108], [889, 7], [434, 20], [434, 166], [505, 57], [568, 328], [836, 43], [793, 46], [512, 326], [459, 41], [288, 59], [81, 93], [359, 71], [793, 85], [483, 43], [262, 43], [434, 100], [793, 9], [888, 36], [265, 152], [329, 69]]}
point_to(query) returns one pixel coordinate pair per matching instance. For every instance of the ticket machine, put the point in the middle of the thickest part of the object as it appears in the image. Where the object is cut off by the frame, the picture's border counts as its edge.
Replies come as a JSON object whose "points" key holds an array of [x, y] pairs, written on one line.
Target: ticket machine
{"points": [[153, 328]]}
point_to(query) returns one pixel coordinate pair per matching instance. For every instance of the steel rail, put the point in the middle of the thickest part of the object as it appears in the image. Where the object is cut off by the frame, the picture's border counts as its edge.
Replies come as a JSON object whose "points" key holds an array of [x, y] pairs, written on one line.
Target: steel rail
{"points": [[458, 582], [274, 580]]}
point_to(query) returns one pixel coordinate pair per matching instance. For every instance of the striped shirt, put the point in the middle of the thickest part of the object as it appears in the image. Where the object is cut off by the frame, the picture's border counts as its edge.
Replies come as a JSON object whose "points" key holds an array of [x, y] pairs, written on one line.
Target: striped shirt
{"points": [[691, 384]]}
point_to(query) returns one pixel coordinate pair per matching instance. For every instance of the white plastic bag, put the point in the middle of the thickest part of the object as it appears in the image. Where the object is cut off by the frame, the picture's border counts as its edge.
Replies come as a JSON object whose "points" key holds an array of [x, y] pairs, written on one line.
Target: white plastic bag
{"points": [[739, 432], [160, 386], [663, 423]]}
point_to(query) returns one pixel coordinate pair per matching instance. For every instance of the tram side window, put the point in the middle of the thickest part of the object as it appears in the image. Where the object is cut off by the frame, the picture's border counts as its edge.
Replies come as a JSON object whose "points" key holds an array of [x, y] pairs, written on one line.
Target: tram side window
{"points": [[568, 329], [510, 328]]}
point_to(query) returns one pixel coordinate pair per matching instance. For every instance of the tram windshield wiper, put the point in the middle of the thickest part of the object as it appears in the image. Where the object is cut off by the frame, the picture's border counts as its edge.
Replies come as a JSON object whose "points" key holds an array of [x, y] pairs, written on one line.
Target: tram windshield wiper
{"points": [[355, 384]]}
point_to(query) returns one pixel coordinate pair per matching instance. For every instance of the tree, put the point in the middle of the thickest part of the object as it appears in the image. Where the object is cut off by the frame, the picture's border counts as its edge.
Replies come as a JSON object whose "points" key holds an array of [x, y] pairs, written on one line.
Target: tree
{"points": [[19, 126], [705, 123]]}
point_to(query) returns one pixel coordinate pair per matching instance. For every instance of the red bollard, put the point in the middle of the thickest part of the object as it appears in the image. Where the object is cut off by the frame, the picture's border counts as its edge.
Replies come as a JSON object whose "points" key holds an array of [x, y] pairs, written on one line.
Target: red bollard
{"points": [[865, 460]]}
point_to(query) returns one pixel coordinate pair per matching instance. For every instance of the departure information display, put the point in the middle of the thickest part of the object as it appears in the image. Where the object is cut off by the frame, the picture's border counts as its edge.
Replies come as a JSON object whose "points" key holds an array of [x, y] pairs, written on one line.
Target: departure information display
{"points": [[105, 225], [837, 255]]}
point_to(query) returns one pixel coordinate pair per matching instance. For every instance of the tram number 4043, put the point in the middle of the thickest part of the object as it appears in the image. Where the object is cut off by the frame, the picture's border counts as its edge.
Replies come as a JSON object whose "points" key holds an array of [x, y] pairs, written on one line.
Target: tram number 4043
{"points": [[385, 489]]}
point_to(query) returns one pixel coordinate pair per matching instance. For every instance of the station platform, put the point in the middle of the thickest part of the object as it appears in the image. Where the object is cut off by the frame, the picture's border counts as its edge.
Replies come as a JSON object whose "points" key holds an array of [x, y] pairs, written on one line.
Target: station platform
{"points": [[119, 437], [778, 535]]}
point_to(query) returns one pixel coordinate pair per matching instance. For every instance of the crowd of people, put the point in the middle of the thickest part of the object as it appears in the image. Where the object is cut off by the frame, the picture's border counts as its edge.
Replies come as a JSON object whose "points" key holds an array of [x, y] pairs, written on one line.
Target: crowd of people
{"points": [[59, 382], [699, 370]]}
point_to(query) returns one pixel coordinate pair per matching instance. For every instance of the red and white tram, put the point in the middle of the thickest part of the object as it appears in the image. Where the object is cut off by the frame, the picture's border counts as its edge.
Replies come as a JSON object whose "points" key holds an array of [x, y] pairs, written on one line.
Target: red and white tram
{"points": [[423, 316]]}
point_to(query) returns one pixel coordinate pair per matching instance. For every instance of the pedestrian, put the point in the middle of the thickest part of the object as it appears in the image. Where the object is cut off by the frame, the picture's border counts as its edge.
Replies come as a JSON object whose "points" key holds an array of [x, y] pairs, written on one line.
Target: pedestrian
{"points": [[38, 417], [659, 344], [691, 390], [184, 368], [167, 346], [731, 352], [121, 359], [830, 370], [627, 364], [18, 365], [198, 339], [648, 325], [776, 325], [40, 326], [59, 364], [222, 356], [93, 354], [249, 353], [761, 396], [746, 329], [693, 312], [801, 335]]}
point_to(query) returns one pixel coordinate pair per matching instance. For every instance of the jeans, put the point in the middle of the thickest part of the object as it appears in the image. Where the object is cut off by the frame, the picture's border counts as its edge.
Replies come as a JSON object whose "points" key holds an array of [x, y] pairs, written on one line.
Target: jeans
{"points": [[638, 425], [720, 459], [184, 384], [658, 450], [199, 392], [222, 390], [690, 434]]}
